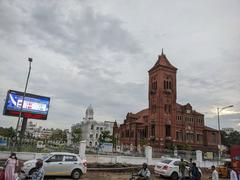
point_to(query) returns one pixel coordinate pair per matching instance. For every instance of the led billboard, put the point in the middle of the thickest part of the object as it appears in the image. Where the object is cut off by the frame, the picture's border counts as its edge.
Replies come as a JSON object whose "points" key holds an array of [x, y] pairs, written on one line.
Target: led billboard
{"points": [[34, 106]]}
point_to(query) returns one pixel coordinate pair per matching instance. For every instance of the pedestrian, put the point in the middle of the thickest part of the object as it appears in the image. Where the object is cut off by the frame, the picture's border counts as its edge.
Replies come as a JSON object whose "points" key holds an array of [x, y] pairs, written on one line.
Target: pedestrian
{"points": [[11, 166], [144, 173], [39, 173], [196, 175], [182, 168], [215, 175], [2, 173], [190, 168], [233, 174]]}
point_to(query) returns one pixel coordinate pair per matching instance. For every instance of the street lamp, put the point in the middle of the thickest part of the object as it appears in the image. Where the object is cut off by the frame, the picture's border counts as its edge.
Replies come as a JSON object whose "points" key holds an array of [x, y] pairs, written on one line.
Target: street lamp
{"points": [[219, 129], [24, 94]]}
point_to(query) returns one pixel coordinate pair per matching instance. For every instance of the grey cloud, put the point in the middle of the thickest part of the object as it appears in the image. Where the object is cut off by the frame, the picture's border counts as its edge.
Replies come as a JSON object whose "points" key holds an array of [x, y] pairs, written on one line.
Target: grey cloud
{"points": [[88, 52], [231, 120], [80, 32]]}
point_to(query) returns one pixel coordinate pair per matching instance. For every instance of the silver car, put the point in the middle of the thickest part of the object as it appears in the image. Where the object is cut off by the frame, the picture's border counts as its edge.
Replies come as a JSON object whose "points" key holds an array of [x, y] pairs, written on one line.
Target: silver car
{"points": [[58, 164]]}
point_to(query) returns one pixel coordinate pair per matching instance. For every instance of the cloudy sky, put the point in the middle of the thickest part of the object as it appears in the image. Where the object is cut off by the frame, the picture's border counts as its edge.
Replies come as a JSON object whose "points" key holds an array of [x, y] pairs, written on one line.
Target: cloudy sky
{"points": [[98, 52]]}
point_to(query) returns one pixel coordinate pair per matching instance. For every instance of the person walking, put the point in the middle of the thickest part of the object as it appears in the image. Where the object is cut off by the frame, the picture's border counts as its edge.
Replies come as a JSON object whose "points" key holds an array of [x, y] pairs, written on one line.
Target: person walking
{"points": [[182, 168], [11, 167], [233, 174], [215, 175], [190, 168], [39, 173], [196, 175], [2, 173]]}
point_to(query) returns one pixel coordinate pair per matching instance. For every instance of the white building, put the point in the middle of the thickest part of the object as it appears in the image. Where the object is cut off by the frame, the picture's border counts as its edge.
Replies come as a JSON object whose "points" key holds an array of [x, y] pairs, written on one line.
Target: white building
{"points": [[33, 129], [91, 129], [228, 130]]}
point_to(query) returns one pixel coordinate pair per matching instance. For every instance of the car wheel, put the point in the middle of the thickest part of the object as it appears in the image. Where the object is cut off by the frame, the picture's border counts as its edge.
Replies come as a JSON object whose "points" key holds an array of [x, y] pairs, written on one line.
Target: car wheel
{"points": [[174, 176], [32, 171], [76, 174]]}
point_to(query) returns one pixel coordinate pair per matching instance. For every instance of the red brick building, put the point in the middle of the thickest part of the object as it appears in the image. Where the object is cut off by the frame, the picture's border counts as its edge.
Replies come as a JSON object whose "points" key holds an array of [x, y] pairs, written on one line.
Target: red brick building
{"points": [[165, 122]]}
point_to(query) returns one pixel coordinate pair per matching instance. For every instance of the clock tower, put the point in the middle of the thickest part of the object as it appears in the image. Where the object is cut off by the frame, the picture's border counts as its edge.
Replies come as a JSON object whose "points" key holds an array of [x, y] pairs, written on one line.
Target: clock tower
{"points": [[162, 95]]}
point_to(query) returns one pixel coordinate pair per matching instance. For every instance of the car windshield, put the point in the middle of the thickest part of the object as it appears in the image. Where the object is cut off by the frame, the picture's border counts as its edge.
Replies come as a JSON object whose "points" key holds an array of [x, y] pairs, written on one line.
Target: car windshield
{"points": [[45, 157], [166, 161]]}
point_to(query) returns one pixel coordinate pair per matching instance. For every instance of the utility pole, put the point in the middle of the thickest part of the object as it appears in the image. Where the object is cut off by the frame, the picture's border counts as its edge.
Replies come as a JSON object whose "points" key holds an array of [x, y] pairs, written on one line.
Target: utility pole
{"points": [[24, 122], [219, 131]]}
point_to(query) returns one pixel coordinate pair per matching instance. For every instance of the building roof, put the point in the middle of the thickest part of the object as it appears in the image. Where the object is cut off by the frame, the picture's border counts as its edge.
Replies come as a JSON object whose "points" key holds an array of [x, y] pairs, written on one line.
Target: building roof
{"points": [[182, 108], [206, 128], [164, 62], [142, 112]]}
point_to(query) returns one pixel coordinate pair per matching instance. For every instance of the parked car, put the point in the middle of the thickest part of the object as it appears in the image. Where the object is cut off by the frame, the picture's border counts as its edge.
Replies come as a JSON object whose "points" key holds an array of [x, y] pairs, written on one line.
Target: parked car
{"points": [[58, 164], [169, 167]]}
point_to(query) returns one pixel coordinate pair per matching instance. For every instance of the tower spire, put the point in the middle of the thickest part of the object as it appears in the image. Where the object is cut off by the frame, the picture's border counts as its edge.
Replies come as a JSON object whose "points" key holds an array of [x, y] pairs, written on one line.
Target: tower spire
{"points": [[162, 51]]}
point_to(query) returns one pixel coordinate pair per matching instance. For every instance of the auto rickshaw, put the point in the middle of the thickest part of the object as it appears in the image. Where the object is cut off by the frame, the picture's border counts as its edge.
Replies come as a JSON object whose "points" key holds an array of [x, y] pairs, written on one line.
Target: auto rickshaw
{"points": [[223, 170]]}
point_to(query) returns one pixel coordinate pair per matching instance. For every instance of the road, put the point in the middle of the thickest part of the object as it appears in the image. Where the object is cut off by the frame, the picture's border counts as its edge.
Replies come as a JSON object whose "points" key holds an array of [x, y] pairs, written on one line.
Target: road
{"points": [[116, 176]]}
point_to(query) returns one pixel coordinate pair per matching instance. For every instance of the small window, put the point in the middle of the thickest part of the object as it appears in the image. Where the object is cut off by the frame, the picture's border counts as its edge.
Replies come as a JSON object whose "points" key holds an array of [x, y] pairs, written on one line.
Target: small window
{"points": [[56, 158], [166, 161], [154, 107], [70, 158], [154, 85], [168, 130], [91, 127], [153, 129], [176, 163]]}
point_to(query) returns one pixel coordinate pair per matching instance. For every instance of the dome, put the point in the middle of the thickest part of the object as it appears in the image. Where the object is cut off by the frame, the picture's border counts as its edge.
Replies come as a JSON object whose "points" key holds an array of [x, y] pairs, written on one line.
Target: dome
{"points": [[89, 113], [89, 110]]}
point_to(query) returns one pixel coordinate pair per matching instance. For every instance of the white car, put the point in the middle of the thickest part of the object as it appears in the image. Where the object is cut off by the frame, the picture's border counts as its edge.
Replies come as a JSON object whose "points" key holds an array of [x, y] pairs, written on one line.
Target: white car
{"points": [[169, 167], [58, 164]]}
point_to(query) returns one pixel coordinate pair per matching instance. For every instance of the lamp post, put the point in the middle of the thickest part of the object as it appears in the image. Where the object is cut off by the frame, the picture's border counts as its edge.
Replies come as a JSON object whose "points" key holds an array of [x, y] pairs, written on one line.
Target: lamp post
{"points": [[219, 129], [20, 112]]}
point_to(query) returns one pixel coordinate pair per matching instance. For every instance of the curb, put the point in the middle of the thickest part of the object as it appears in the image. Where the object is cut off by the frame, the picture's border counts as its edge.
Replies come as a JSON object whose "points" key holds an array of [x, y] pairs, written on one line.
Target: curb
{"points": [[113, 169]]}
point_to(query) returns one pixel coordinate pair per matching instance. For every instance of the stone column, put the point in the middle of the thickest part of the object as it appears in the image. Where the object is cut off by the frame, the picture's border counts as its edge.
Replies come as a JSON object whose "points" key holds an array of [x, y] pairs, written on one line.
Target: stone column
{"points": [[199, 159], [148, 154], [82, 149]]}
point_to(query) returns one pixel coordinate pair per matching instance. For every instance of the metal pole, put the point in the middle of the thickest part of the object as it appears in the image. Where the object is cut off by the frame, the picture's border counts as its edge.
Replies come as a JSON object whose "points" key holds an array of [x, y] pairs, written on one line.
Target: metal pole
{"points": [[219, 137], [22, 132], [219, 131], [24, 94]]}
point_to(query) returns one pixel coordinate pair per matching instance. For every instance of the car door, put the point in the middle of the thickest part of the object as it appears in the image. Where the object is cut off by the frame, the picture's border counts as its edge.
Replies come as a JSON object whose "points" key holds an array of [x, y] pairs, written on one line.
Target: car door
{"points": [[54, 166], [70, 162], [176, 167]]}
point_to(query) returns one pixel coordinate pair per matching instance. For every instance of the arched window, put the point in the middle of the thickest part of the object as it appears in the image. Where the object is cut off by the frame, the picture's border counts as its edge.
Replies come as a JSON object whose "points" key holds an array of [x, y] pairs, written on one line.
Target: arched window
{"points": [[167, 83]]}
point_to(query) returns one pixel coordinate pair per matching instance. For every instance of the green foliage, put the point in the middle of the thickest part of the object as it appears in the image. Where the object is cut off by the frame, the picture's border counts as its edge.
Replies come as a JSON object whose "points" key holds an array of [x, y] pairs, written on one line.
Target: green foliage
{"points": [[7, 132], [106, 137], [230, 139], [184, 147], [169, 146], [142, 142], [59, 135], [76, 135]]}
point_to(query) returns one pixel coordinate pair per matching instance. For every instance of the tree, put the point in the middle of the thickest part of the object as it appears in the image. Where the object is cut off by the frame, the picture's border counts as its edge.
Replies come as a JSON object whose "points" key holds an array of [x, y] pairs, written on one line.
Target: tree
{"points": [[7, 132], [59, 135], [230, 139], [76, 135], [106, 137]]}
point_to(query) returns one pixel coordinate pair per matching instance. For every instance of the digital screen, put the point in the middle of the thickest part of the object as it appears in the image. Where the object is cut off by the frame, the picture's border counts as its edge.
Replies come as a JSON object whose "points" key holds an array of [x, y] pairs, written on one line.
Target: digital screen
{"points": [[34, 106]]}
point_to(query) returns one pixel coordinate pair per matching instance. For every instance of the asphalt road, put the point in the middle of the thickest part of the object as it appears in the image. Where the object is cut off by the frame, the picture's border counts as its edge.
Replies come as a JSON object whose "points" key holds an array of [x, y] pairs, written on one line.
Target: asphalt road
{"points": [[116, 176]]}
